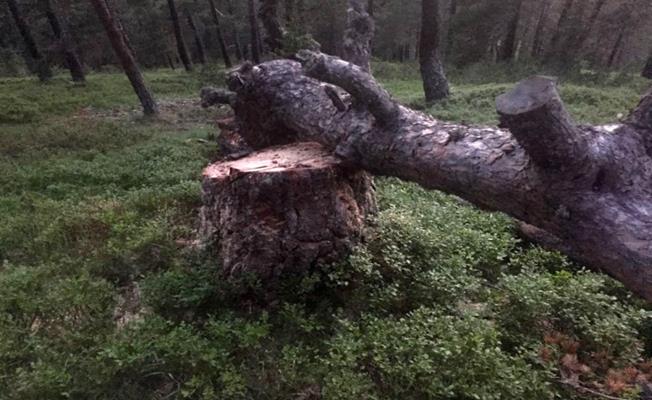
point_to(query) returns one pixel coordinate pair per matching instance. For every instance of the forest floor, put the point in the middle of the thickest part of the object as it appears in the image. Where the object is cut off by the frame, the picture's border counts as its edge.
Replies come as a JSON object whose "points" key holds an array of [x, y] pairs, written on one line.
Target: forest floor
{"points": [[101, 298]]}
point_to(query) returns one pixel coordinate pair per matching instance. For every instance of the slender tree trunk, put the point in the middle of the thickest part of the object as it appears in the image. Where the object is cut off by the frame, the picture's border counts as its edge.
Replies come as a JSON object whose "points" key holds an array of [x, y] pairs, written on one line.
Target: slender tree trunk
{"points": [[589, 26], [435, 84], [509, 47], [358, 35], [60, 29], [290, 8], [125, 54], [590, 186], [270, 21], [219, 35], [562, 25], [537, 43], [613, 56], [178, 35], [255, 32], [199, 43], [37, 59], [234, 32], [647, 70]]}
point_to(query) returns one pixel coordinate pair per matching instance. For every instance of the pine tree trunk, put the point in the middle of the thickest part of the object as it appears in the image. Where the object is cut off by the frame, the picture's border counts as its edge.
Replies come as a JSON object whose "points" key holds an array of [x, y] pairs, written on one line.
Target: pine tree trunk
{"points": [[537, 43], [123, 51], [435, 84], [178, 35], [239, 54], [358, 35], [283, 210], [270, 21], [255, 32], [220, 35], [37, 59], [647, 70], [60, 29], [509, 47], [199, 43], [589, 186]]}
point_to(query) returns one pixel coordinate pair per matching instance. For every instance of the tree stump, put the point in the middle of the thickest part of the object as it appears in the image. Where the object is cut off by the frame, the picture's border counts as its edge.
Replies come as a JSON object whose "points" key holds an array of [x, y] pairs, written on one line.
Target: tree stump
{"points": [[283, 210]]}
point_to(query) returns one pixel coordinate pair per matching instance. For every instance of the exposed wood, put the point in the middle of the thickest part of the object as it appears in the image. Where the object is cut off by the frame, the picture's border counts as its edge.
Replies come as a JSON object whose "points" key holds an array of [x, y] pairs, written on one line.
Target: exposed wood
{"points": [[219, 35], [358, 35], [199, 43], [435, 84], [597, 203], [283, 210], [123, 51], [178, 35], [37, 59], [59, 27]]}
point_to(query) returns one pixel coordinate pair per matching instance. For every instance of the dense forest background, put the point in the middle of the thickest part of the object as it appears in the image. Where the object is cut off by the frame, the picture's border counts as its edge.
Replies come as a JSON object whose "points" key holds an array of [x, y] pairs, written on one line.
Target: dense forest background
{"points": [[595, 33]]}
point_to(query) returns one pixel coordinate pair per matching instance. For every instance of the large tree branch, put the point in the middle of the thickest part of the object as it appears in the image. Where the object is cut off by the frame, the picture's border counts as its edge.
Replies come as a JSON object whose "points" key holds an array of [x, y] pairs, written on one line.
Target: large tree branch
{"points": [[588, 186]]}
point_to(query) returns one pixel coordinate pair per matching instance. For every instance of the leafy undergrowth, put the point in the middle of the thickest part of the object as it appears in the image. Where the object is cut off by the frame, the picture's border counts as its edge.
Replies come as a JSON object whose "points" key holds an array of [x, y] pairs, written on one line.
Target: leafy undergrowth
{"points": [[101, 298]]}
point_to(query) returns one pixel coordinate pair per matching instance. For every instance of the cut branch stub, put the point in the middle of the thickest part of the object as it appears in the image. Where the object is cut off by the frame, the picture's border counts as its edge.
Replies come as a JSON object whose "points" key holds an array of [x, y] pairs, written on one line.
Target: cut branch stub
{"points": [[211, 96], [359, 83], [284, 210], [535, 114]]}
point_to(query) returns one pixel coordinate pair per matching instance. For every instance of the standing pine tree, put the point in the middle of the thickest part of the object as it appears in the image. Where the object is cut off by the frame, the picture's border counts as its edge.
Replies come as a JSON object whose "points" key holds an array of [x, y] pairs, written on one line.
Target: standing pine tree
{"points": [[36, 58], [435, 84], [178, 34]]}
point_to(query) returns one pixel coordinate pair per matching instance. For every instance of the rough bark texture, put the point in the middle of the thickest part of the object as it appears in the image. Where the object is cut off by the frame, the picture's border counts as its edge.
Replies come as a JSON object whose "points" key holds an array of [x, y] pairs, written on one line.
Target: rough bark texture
{"points": [[254, 32], [270, 20], [588, 186], [358, 35], [647, 70], [283, 210], [121, 47], [435, 84], [60, 29], [178, 35], [199, 43], [219, 35], [234, 32], [36, 57]]}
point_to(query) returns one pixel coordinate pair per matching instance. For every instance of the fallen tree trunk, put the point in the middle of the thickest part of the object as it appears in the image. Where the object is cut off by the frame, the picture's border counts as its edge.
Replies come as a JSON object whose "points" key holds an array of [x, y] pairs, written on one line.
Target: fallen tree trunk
{"points": [[590, 186]]}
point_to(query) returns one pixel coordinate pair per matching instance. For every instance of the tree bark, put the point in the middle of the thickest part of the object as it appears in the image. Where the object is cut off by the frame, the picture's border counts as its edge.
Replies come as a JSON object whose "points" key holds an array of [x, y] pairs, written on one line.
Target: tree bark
{"points": [[37, 59], [435, 84], [219, 35], [255, 32], [358, 35], [60, 29], [647, 70], [234, 32], [269, 18], [178, 35], [199, 43], [537, 43], [562, 24], [123, 51], [590, 186], [509, 48], [283, 210]]}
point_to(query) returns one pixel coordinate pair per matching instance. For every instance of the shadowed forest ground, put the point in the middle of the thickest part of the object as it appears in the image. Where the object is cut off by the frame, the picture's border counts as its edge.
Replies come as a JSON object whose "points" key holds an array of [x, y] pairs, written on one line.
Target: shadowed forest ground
{"points": [[103, 297]]}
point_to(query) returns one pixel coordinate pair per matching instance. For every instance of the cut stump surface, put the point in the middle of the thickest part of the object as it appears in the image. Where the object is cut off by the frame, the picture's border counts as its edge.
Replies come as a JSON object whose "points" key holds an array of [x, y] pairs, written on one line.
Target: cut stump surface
{"points": [[284, 210]]}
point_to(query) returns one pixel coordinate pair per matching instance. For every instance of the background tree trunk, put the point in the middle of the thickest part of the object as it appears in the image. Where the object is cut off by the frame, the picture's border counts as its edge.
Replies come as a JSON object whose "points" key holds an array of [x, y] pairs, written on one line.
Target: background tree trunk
{"points": [[255, 32], [121, 47], [60, 29], [219, 35], [37, 59], [199, 43], [234, 32], [358, 35], [647, 70], [435, 84], [273, 28], [588, 186], [178, 35], [509, 47]]}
